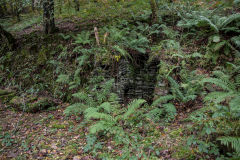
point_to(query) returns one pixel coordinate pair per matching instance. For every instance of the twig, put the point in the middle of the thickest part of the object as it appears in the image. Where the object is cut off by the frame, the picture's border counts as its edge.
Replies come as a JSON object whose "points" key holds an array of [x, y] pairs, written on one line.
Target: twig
{"points": [[96, 36]]}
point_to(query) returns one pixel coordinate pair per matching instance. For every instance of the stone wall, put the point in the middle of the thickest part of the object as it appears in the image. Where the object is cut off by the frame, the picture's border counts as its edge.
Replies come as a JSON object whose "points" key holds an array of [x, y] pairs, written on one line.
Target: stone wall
{"points": [[136, 79]]}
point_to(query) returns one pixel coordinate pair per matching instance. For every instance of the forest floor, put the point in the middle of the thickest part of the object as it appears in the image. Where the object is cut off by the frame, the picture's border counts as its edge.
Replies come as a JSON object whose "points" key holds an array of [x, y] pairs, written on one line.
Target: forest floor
{"points": [[52, 135]]}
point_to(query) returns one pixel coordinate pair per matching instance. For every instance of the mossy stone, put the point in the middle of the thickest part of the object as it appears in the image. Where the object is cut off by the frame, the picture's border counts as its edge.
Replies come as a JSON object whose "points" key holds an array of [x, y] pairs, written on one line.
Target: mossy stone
{"points": [[31, 103], [41, 104], [6, 95]]}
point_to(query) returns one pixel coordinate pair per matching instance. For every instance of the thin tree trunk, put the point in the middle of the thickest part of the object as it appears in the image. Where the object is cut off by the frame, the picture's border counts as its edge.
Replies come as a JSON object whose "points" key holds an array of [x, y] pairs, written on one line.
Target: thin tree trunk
{"points": [[77, 6], [153, 4], [48, 16], [60, 6], [33, 7]]}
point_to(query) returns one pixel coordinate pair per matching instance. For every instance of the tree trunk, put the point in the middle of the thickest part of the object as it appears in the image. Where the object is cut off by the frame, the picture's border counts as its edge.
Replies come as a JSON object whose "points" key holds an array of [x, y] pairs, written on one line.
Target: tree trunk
{"points": [[33, 7], [77, 6], [48, 16], [153, 4], [60, 6]]}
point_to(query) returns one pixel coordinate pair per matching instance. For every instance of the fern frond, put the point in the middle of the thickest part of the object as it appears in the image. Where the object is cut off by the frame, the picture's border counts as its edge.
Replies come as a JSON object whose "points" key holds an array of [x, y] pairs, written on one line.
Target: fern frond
{"points": [[162, 99], [122, 51], [221, 75], [218, 82], [236, 41], [106, 106], [230, 19], [63, 78], [175, 88], [204, 21], [170, 110], [235, 104], [155, 114], [81, 96], [93, 113], [233, 141], [132, 107], [76, 108], [65, 37], [218, 97], [99, 126]]}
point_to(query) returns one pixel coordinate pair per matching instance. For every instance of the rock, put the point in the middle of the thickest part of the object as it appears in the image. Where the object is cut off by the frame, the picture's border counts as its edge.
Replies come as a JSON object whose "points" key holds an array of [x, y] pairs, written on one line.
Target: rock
{"points": [[31, 103]]}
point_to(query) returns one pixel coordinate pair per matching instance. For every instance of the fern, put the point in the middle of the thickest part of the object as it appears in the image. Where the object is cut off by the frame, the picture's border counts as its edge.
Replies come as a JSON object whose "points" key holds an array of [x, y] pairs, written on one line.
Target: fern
{"points": [[170, 111], [230, 19], [92, 97], [218, 97], [204, 21], [132, 107], [65, 37], [163, 99], [218, 82], [234, 142], [75, 109], [107, 117], [63, 78], [83, 38], [229, 93]]}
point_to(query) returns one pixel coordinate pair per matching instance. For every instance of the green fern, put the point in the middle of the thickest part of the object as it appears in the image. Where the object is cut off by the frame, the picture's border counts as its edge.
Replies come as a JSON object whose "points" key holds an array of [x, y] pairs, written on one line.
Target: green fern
{"points": [[83, 38], [204, 21], [234, 142], [63, 78], [163, 99], [230, 19], [229, 92], [170, 111], [107, 117], [132, 107], [92, 97]]}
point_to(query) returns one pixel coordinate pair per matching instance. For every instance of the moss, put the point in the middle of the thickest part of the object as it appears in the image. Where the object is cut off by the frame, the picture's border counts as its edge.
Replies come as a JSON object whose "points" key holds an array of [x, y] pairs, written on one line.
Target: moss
{"points": [[183, 152], [70, 150], [42, 56], [41, 104], [31, 103], [59, 126], [5, 92]]}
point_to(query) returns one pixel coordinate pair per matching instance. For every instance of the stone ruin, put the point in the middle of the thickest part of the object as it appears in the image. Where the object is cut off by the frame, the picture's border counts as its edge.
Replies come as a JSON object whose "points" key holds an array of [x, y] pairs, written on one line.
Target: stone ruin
{"points": [[136, 79]]}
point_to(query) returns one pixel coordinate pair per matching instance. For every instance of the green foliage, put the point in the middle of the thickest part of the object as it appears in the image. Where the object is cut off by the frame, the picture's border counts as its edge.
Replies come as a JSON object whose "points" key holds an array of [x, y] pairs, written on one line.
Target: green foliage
{"points": [[107, 122], [83, 38], [229, 93], [217, 29], [222, 112], [233, 141], [184, 93], [92, 97], [123, 38], [6, 139]]}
